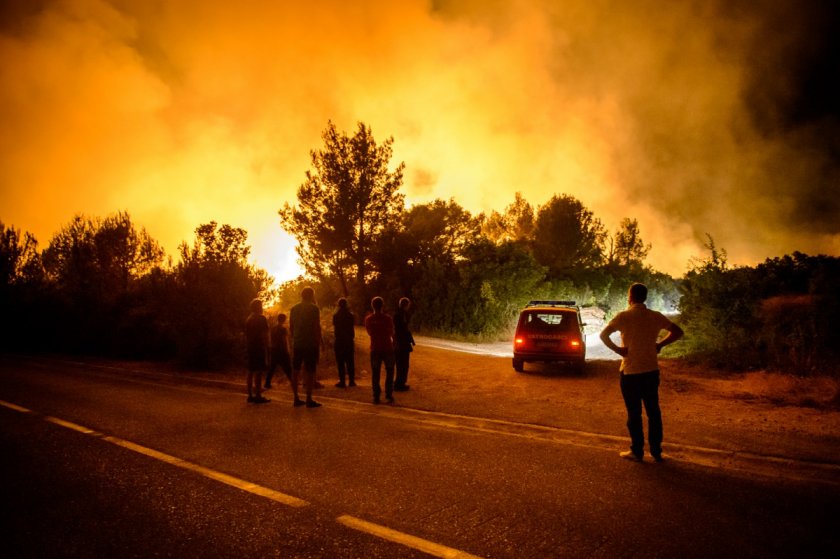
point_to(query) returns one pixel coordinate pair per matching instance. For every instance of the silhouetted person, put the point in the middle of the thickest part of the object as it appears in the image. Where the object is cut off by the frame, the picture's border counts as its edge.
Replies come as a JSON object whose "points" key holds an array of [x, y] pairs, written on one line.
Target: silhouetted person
{"points": [[256, 335], [380, 328], [343, 326], [280, 356], [640, 346], [403, 344], [305, 328]]}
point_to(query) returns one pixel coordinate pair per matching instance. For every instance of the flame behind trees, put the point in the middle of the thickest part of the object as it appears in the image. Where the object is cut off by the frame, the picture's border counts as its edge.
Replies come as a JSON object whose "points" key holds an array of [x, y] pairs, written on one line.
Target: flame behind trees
{"points": [[343, 207]]}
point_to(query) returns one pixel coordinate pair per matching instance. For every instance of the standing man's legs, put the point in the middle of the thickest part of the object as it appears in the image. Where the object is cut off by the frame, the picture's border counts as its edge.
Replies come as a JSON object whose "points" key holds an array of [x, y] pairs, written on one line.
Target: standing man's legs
{"points": [[270, 373], [310, 363], [341, 363], [351, 365], [375, 372], [632, 394], [389, 376], [650, 397], [401, 359], [297, 362], [256, 364]]}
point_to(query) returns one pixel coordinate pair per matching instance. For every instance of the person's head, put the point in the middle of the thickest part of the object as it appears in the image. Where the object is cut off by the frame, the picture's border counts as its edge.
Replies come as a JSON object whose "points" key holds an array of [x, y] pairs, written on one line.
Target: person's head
{"points": [[376, 304], [405, 302], [342, 303], [281, 318], [256, 306], [637, 293], [307, 294]]}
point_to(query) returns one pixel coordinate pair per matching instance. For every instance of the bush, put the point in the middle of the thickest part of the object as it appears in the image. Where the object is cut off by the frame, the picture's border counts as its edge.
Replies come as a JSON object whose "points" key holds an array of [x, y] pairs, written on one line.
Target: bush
{"points": [[783, 314]]}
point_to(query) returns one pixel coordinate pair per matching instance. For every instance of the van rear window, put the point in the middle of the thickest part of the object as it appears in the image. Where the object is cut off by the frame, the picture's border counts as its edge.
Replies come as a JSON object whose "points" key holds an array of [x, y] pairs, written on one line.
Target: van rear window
{"points": [[536, 320]]}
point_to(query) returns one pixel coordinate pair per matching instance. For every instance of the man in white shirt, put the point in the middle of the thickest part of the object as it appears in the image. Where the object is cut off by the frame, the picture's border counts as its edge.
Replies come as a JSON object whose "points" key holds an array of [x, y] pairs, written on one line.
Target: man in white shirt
{"points": [[640, 345]]}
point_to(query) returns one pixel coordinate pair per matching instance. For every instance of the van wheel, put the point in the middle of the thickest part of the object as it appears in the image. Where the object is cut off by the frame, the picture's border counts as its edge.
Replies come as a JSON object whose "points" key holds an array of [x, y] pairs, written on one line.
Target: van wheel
{"points": [[518, 365]]}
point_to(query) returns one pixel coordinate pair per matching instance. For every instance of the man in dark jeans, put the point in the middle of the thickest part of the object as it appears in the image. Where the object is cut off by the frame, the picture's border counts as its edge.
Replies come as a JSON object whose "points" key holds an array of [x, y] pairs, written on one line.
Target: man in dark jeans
{"points": [[343, 327], [380, 328], [403, 344], [256, 335], [640, 345], [305, 329]]}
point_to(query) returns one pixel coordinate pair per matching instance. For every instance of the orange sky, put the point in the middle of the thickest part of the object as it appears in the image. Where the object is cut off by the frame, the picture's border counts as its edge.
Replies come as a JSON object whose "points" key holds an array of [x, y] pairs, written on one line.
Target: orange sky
{"points": [[186, 111]]}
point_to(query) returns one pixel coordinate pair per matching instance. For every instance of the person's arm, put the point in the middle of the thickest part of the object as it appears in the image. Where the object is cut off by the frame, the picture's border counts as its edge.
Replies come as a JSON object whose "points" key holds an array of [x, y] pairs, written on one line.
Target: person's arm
{"points": [[674, 334], [605, 337]]}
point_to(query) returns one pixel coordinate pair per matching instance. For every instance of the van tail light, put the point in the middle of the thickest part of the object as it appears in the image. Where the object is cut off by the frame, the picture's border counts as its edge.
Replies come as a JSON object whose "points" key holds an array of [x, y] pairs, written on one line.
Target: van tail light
{"points": [[575, 343], [519, 341]]}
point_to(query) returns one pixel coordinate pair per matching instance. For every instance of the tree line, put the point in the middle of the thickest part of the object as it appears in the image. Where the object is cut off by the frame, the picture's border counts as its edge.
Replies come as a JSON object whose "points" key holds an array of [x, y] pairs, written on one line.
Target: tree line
{"points": [[469, 275], [104, 286]]}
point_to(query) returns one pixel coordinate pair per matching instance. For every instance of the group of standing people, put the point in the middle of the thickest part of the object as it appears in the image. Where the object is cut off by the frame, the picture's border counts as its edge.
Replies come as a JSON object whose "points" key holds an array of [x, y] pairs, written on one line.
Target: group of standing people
{"points": [[391, 344]]}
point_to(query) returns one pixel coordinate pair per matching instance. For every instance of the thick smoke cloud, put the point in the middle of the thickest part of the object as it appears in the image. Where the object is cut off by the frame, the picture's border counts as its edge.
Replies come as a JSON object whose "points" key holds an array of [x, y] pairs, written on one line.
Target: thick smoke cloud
{"points": [[693, 117]]}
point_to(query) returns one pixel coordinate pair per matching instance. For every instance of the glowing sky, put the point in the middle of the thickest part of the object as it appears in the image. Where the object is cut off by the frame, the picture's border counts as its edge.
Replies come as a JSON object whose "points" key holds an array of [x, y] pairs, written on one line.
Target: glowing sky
{"points": [[693, 117]]}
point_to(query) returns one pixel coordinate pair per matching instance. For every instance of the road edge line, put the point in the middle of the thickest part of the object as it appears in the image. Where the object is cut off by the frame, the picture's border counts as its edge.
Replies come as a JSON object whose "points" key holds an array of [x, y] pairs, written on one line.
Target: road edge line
{"points": [[14, 407], [414, 542], [240, 484]]}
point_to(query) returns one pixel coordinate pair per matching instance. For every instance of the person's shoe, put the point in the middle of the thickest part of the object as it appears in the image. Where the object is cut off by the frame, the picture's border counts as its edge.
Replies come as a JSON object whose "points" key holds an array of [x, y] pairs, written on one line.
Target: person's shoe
{"points": [[401, 388], [318, 384], [313, 404], [376, 399], [250, 399], [630, 455], [352, 383], [298, 403], [340, 385], [261, 400], [389, 399], [658, 458]]}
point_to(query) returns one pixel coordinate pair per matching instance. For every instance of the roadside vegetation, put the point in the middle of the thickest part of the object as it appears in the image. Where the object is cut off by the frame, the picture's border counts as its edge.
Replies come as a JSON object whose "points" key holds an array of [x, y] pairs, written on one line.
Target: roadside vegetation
{"points": [[103, 286]]}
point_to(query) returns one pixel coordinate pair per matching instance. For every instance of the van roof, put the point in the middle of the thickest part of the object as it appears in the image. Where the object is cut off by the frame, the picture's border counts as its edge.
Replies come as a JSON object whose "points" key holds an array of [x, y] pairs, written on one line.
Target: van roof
{"points": [[552, 304]]}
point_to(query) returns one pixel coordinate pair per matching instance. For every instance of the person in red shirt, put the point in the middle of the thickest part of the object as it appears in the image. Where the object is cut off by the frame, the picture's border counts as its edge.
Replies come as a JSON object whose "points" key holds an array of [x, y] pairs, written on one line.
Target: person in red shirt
{"points": [[380, 328]]}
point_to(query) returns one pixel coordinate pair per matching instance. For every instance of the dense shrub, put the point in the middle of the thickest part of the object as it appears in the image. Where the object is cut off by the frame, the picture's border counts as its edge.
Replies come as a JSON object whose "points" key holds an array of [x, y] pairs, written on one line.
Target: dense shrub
{"points": [[782, 314]]}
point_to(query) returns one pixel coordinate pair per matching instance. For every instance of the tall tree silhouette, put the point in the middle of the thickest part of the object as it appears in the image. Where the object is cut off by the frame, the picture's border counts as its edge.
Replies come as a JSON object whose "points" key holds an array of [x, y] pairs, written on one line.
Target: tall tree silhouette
{"points": [[626, 249], [20, 261], [567, 236], [214, 284], [97, 258], [347, 199]]}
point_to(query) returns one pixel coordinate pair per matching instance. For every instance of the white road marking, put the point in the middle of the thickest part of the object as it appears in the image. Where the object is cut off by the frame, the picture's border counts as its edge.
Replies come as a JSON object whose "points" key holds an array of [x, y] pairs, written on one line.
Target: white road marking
{"points": [[426, 546], [212, 474], [243, 485], [15, 407], [73, 426]]}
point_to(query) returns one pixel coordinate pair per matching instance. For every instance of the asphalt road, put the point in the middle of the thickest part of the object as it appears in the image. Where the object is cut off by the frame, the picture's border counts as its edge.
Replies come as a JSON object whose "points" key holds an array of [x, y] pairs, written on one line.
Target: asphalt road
{"points": [[101, 464]]}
